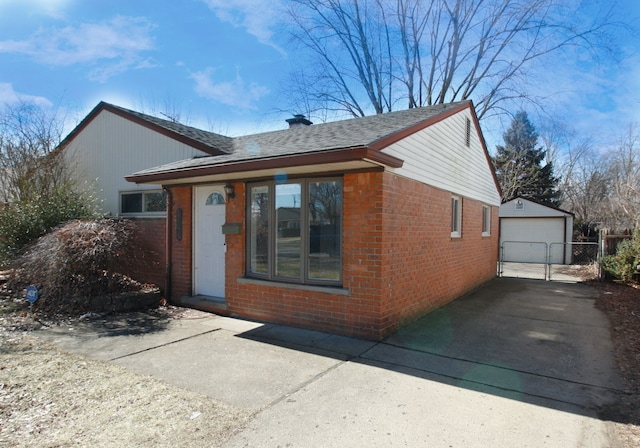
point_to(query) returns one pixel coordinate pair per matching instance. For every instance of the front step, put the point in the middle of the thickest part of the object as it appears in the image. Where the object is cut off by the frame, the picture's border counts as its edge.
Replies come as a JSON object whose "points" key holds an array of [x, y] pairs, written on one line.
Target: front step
{"points": [[205, 303]]}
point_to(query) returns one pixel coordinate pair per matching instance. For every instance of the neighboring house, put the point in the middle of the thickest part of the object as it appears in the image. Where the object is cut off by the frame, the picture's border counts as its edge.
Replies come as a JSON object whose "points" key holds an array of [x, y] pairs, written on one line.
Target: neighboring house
{"points": [[112, 142], [531, 232], [354, 227]]}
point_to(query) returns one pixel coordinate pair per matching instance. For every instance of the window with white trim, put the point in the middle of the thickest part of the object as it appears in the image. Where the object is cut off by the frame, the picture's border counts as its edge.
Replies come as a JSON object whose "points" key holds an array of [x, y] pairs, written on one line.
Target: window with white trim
{"points": [[148, 202], [294, 231], [456, 216], [486, 220]]}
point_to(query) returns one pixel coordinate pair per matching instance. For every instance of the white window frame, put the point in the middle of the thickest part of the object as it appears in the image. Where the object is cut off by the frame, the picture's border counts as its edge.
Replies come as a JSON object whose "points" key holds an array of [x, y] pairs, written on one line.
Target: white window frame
{"points": [[143, 212], [456, 216], [486, 220]]}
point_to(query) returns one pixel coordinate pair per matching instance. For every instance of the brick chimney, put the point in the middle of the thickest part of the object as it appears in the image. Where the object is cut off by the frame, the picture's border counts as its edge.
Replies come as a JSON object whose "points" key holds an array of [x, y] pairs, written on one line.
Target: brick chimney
{"points": [[298, 120]]}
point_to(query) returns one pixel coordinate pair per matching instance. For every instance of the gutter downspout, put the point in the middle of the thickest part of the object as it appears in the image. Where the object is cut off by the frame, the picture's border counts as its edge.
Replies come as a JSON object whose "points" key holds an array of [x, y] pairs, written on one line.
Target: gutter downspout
{"points": [[168, 245]]}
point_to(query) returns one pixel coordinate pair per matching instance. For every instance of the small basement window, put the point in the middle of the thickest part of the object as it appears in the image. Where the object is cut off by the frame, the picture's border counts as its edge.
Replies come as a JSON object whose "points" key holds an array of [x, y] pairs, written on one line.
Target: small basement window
{"points": [[152, 202]]}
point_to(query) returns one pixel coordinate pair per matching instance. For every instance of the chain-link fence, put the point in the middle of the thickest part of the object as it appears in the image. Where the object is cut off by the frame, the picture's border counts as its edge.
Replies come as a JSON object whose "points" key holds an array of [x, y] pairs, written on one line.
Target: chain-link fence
{"points": [[580, 261], [549, 261]]}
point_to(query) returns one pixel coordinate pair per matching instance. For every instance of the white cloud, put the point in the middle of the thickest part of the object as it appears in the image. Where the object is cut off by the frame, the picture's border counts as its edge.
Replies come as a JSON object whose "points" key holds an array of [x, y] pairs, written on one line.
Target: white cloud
{"points": [[8, 96], [236, 93], [257, 16], [52, 8], [120, 40]]}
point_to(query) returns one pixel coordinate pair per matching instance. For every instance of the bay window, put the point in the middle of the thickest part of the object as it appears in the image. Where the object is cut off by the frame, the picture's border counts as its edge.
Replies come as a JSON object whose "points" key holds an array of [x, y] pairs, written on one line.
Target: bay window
{"points": [[295, 231]]}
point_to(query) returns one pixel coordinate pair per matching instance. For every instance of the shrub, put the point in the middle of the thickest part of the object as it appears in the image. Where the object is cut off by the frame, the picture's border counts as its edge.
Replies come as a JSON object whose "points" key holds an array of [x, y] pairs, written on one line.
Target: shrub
{"points": [[624, 263], [77, 260], [24, 221]]}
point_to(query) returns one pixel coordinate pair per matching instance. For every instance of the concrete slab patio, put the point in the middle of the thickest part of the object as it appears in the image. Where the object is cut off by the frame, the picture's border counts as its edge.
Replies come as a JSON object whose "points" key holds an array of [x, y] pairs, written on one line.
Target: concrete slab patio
{"points": [[515, 363]]}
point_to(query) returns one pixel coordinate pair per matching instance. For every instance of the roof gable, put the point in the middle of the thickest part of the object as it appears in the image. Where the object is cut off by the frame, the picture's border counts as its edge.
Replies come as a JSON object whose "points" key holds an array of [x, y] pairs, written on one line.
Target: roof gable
{"points": [[449, 153], [207, 142]]}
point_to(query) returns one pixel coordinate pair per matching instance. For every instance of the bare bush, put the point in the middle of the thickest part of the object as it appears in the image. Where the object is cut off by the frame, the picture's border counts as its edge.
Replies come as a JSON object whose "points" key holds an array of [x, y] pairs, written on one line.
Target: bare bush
{"points": [[80, 260]]}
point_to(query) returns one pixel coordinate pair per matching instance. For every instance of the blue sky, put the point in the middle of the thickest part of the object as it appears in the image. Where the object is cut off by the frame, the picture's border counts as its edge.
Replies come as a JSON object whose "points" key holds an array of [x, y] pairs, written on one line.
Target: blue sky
{"points": [[221, 65]]}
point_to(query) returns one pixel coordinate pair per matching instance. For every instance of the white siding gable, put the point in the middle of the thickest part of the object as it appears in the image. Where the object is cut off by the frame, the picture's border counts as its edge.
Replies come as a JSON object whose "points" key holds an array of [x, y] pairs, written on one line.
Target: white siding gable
{"points": [[528, 209], [438, 156], [111, 147]]}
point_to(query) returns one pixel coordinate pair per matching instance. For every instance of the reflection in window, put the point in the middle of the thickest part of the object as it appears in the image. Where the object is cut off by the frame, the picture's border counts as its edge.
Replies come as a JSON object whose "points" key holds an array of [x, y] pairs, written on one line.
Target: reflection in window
{"points": [[259, 230], [288, 245], [325, 220], [155, 202]]}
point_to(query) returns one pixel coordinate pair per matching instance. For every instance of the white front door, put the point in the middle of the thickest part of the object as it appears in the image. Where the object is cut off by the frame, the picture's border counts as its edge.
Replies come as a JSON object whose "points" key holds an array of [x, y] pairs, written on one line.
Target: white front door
{"points": [[209, 241]]}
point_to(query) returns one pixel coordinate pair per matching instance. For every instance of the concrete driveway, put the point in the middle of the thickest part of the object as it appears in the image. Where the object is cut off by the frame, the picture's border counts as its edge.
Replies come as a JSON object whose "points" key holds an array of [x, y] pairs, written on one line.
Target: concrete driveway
{"points": [[515, 363]]}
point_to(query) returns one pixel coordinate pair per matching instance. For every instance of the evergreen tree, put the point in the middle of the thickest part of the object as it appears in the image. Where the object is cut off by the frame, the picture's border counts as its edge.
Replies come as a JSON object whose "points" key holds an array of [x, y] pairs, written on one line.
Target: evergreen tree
{"points": [[519, 165]]}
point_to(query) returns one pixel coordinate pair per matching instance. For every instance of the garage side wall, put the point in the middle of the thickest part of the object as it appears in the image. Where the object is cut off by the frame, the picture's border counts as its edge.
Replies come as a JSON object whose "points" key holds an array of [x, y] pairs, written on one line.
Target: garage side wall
{"points": [[424, 266]]}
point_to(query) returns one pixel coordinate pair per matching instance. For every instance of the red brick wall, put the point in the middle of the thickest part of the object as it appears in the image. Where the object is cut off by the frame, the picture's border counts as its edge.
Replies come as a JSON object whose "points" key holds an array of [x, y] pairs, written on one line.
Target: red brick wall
{"points": [[399, 260], [355, 314], [425, 267], [151, 235], [235, 257], [181, 271]]}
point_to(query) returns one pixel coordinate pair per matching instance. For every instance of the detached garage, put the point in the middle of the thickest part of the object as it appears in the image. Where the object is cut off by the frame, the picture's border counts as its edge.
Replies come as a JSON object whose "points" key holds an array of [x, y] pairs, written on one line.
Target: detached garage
{"points": [[534, 233]]}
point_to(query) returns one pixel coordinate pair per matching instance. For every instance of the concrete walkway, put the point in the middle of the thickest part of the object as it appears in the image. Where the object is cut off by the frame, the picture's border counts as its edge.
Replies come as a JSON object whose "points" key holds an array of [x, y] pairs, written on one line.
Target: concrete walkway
{"points": [[516, 363]]}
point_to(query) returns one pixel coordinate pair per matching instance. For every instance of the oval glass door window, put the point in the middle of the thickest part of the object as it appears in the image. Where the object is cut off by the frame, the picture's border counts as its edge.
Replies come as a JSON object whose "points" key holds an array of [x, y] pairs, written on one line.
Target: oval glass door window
{"points": [[215, 198]]}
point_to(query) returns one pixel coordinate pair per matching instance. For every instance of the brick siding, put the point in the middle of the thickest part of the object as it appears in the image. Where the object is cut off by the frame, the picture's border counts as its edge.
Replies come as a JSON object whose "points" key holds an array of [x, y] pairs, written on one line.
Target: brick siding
{"points": [[399, 260], [151, 236], [181, 260]]}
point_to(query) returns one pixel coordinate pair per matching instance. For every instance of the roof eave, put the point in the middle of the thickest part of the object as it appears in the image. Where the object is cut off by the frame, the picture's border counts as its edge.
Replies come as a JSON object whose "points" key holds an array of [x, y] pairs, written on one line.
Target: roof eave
{"points": [[294, 160]]}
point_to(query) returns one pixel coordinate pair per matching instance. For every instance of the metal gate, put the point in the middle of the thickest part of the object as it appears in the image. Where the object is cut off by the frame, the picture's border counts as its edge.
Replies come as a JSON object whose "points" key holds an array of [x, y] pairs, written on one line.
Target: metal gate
{"points": [[526, 259], [549, 261]]}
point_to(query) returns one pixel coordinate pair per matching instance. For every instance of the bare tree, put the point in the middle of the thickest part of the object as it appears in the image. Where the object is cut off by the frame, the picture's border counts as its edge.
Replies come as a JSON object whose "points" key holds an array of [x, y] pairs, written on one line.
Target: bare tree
{"points": [[29, 164], [624, 172], [375, 54], [602, 187], [586, 189]]}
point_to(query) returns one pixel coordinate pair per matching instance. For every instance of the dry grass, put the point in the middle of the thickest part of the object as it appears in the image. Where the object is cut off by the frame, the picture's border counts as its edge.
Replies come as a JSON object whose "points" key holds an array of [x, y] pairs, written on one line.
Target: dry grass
{"points": [[50, 398]]}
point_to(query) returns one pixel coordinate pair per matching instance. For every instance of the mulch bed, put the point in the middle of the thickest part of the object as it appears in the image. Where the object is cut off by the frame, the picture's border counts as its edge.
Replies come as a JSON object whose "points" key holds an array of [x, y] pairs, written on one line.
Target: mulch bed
{"points": [[621, 303]]}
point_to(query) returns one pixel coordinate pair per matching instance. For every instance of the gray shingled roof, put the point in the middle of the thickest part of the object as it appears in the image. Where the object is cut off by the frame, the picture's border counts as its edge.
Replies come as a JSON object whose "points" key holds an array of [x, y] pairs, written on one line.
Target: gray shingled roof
{"points": [[211, 139], [352, 133]]}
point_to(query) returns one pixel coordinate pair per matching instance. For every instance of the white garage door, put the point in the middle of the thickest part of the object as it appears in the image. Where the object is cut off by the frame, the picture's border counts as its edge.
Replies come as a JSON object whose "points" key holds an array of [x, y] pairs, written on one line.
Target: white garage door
{"points": [[522, 239]]}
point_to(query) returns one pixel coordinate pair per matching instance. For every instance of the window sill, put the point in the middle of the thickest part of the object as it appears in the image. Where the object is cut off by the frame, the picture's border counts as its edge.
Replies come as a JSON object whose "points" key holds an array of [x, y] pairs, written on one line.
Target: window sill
{"points": [[335, 290]]}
